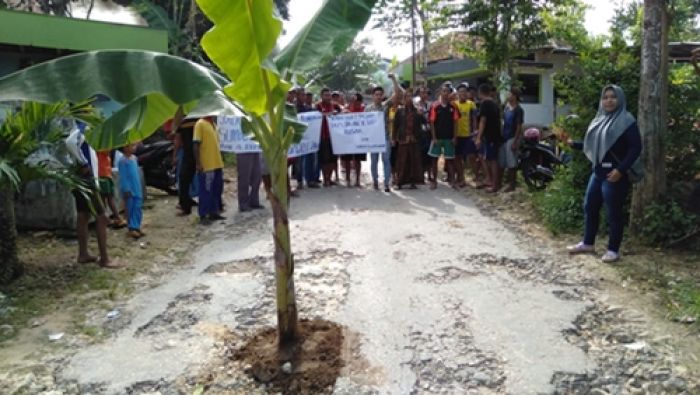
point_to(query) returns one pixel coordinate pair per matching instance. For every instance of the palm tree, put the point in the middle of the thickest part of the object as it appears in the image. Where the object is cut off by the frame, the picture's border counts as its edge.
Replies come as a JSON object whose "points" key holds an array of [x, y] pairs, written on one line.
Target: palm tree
{"points": [[32, 127]]}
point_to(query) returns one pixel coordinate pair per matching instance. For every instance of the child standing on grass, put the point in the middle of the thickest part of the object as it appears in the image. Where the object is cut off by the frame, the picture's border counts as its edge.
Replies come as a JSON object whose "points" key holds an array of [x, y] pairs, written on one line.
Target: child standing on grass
{"points": [[130, 186], [104, 171]]}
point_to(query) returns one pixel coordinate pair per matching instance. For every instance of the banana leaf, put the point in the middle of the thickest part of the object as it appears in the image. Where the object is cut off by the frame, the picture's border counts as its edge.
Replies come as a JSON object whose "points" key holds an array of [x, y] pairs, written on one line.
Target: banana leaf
{"points": [[244, 34], [329, 33], [151, 85]]}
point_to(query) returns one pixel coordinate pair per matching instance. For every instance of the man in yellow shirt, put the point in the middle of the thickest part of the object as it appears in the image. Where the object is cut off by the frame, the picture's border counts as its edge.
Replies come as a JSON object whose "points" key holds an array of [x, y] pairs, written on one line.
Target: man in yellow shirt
{"points": [[465, 149], [209, 170]]}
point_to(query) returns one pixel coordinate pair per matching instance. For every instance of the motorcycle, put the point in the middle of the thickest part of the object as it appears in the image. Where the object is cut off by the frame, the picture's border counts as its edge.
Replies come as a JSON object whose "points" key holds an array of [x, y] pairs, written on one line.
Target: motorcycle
{"points": [[156, 160], [538, 160]]}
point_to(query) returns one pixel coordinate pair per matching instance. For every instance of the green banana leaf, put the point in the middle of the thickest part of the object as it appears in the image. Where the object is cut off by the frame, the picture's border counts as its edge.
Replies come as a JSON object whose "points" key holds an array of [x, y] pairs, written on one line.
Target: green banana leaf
{"points": [[151, 85], [244, 34], [330, 32]]}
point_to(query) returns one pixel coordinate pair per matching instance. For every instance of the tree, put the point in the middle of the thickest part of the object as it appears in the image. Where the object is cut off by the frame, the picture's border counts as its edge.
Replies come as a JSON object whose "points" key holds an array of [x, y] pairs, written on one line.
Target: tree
{"points": [[153, 85], [390, 16], [260, 86], [653, 105], [505, 29], [31, 127], [565, 23], [682, 19], [350, 70]]}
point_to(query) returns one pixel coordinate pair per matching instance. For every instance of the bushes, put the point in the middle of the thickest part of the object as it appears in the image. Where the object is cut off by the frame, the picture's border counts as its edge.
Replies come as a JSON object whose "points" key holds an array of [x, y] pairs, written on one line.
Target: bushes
{"points": [[666, 222], [561, 204]]}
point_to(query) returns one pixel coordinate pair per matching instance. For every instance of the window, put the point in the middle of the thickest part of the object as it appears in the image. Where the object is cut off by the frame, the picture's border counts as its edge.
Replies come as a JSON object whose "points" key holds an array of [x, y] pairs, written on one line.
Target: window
{"points": [[530, 86]]}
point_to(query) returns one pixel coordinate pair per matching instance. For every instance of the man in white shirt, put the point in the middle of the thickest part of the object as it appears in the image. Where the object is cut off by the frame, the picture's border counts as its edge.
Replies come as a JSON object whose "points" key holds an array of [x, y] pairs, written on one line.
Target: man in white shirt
{"points": [[87, 201]]}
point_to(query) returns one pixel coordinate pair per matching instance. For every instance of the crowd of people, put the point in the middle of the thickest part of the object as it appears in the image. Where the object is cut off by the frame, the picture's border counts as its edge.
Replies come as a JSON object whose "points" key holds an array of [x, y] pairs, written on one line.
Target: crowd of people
{"points": [[465, 126]]}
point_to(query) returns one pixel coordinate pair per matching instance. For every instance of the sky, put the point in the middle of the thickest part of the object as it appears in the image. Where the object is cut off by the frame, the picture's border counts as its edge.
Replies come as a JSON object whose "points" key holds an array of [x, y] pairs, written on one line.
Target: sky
{"points": [[301, 11]]}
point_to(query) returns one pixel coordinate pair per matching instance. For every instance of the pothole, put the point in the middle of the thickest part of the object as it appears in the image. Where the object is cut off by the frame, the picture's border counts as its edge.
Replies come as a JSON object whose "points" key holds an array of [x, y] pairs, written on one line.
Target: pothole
{"points": [[626, 360], [182, 313], [250, 265], [446, 275], [447, 360]]}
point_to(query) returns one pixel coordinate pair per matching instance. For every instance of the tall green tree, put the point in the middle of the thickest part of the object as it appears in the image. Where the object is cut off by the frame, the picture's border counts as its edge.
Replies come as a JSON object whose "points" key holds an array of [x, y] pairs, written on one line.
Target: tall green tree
{"points": [[394, 17], [505, 29], [682, 18], [565, 23], [350, 70]]}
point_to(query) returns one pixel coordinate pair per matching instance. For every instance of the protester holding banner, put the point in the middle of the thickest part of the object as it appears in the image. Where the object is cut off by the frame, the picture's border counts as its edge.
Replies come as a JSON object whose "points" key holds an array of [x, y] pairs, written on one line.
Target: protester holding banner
{"points": [[306, 164], [408, 127], [381, 106], [327, 159], [351, 161]]}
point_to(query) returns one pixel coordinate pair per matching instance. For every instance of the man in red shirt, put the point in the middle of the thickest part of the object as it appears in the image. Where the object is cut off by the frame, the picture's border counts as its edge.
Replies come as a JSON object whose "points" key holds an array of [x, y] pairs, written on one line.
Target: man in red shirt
{"points": [[356, 105], [326, 157], [443, 128]]}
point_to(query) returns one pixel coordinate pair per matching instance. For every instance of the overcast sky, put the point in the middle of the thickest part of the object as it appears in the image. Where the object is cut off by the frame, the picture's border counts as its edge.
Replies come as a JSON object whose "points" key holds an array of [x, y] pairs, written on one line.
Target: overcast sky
{"points": [[597, 22]]}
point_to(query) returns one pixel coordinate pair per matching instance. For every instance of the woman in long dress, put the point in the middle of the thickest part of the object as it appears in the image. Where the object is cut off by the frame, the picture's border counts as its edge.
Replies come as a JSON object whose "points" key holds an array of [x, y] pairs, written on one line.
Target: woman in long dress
{"points": [[407, 134]]}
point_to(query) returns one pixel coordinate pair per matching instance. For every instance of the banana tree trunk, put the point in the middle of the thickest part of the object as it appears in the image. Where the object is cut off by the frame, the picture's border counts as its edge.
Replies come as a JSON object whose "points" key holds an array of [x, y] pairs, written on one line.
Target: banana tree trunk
{"points": [[9, 261], [284, 259]]}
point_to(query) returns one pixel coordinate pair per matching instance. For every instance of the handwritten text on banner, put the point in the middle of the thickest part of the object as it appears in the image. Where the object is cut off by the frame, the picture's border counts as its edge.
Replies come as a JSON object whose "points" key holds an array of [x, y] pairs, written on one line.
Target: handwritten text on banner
{"points": [[232, 138], [357, 133]]}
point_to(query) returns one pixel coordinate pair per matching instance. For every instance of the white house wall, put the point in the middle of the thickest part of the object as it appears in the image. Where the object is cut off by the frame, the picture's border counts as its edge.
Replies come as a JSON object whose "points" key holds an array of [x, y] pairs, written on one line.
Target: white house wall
{"points": [[541, 114]]}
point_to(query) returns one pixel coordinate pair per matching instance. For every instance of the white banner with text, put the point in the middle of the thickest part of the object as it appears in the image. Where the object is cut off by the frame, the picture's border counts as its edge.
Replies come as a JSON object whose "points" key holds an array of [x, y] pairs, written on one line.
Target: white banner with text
{"points": [[357, 133], [232, 138]]}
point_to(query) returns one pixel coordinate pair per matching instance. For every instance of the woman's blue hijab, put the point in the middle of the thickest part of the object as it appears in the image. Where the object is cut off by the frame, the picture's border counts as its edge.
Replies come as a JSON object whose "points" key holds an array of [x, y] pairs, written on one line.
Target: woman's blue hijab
{"points": [[606, 128]]}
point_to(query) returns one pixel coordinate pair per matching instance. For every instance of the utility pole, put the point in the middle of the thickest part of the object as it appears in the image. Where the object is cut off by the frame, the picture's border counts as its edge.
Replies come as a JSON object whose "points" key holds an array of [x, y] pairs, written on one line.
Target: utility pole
{"points": [[413, 44]]}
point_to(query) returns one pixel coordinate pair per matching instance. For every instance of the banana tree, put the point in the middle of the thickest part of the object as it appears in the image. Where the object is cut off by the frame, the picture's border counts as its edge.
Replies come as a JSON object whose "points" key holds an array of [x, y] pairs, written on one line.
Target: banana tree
{"points": [[241, 43], [151, 86]]}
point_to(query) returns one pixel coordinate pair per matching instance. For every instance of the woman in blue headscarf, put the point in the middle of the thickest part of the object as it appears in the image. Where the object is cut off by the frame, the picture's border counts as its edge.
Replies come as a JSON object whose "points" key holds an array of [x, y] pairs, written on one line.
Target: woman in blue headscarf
{"points": [[613, 145]]}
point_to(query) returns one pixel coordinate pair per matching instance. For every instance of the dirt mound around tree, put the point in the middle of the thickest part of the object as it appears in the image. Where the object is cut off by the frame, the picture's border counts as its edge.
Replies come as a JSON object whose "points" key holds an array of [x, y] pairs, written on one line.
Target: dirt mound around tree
{"points": [[310, 366]]}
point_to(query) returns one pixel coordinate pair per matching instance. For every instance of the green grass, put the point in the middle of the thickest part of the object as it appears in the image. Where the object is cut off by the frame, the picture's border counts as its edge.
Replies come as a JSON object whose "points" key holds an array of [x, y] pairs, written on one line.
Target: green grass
{"points": [[38, 293], [684, 302]]}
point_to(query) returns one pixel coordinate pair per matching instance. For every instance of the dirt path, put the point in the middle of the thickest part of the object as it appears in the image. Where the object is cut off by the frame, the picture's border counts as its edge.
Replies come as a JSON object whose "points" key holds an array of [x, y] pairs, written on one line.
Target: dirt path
{"points": [[435, 297]]}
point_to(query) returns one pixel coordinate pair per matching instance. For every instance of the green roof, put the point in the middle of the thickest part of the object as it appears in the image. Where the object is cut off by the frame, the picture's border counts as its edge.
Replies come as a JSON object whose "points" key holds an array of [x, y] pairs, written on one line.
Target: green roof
{"points": [[49, 31]]}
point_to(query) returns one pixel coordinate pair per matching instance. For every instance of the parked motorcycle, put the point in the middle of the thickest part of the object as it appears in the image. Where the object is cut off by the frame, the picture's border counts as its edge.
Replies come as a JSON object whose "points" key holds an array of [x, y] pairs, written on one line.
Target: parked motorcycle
{"points": [[156, 160], [538, 160]]}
